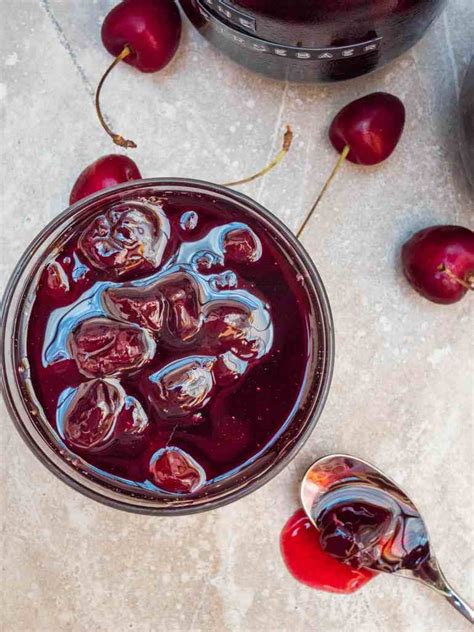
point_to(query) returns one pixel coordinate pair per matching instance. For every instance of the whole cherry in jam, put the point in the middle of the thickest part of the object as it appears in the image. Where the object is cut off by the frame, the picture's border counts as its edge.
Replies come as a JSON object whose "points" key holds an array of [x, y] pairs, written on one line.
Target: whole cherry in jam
{"points": [[98, 415], [57, 280], [175, 471], [438, 262], [183, 387], [144, 34], [105, 347], [104, 172], [129, 237], [347, 529], [310, 564]]}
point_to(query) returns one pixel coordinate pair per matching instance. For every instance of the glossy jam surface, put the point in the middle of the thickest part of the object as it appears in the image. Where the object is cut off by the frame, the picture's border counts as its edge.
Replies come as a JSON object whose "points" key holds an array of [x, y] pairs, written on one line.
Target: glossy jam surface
{"points": [[168, 340], [310, 564], [366, 521]]}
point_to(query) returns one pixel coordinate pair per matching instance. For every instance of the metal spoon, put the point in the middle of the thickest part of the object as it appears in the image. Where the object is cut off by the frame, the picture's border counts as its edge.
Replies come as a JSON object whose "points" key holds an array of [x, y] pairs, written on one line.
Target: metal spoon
{"points": [[338, 478]]}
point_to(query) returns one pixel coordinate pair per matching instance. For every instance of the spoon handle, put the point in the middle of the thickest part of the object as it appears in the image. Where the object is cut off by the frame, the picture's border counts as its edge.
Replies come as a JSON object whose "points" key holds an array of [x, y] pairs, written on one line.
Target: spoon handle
{"points": [[432, 576], [459, 603]]}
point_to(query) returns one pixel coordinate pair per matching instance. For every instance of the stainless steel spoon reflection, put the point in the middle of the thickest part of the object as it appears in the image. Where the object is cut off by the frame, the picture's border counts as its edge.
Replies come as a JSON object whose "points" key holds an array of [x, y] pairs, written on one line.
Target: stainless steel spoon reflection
{"points": [[366, 520]]}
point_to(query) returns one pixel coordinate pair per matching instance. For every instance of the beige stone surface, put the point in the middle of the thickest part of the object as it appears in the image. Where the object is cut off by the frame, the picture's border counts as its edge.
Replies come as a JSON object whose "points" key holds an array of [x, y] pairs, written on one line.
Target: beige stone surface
{"points": [[402, 394]]}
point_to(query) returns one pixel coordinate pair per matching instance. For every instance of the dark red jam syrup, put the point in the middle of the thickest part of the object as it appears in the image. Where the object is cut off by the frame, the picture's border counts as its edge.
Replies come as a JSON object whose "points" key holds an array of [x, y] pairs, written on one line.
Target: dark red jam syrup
{"points": [[168, 340], [364, 524], [310, 564]]}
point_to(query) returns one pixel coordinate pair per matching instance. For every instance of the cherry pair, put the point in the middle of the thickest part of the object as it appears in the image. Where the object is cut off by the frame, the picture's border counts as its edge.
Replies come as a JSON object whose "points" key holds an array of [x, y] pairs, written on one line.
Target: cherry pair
{"points": [[438, 261]]}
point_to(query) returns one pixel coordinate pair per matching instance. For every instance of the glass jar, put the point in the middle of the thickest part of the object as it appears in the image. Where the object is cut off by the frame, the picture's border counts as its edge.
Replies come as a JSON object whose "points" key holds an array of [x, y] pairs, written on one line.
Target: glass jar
{"points": [[42, 438]]}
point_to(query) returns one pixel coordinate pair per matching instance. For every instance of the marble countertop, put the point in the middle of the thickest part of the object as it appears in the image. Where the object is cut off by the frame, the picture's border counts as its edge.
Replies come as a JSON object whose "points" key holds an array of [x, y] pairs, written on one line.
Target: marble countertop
{"points": [[402, 390]]}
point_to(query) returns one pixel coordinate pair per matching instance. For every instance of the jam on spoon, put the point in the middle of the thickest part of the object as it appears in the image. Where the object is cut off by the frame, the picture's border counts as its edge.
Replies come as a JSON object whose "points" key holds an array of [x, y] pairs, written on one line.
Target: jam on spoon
{"points": [[310, 564], [366, 521]]}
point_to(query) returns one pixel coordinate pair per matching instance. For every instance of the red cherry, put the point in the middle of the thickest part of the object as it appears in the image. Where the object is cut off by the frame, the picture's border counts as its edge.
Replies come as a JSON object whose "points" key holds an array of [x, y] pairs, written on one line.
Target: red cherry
{"points": [[242, 246], [439, 262], [183, 387], [98, 414], [150, 28], [144, 34], [308, 563], [175, 471], [128, 236], [104, 347], [103, 173], [56, 278], [371, 127], [365, 131]]}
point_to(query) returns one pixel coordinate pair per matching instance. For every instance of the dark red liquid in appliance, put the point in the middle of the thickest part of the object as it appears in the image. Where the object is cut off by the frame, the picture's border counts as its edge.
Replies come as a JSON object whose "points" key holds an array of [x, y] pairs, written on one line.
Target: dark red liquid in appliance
{"points": [[168, 343], [310, 564]]}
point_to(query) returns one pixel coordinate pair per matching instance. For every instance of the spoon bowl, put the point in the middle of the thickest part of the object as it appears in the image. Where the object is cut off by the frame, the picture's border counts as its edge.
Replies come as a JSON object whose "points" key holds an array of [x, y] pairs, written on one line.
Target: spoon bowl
{"points": [[366, 520]]}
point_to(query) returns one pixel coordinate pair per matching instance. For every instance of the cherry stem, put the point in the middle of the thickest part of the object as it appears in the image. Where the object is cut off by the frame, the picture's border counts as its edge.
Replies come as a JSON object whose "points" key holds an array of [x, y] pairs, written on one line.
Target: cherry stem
{"points": [[171, 435], [469, 284], [287, 140], [337, 166], [117, 138]]}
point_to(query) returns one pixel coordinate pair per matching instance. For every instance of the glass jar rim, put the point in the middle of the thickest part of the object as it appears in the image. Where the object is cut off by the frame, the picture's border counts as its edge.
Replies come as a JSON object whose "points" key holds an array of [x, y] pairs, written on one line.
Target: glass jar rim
{"points": [[24, 417]]}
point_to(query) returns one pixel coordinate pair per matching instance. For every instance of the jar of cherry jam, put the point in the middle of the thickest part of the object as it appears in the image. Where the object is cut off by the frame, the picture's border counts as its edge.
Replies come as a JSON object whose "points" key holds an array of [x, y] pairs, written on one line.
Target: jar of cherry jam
{"points": [[167, 346]]}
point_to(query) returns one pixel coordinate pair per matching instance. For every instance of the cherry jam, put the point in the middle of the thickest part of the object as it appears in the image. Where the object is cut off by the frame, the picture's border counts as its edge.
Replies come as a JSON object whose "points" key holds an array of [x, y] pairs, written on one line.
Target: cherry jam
{"points": [[363, 524], [365, 520], [311, 565], [168, 341]]}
